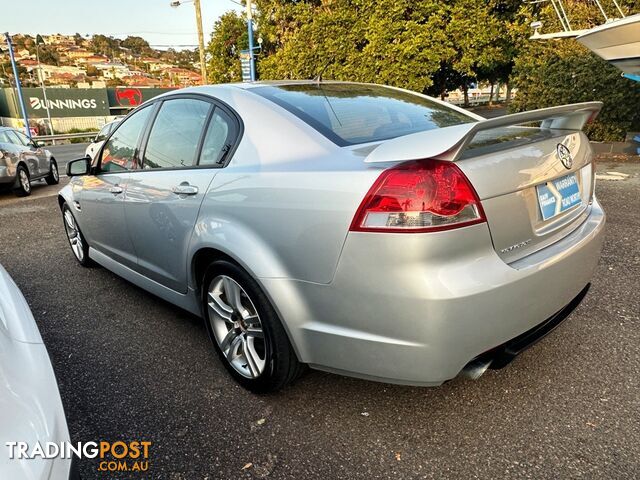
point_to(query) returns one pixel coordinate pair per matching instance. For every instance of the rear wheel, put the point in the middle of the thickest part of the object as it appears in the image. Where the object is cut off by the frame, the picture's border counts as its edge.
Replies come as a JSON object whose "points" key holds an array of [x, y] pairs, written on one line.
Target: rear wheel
{"points": [[22, 186], [79, 245], [246, 331], [54, 177]]}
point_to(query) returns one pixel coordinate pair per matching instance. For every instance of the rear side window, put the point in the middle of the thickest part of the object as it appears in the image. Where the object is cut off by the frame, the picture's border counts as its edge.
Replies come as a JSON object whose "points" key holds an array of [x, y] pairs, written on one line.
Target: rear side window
{"points": [[4, 138], [221, 133], [175, 135], [350, 114]]}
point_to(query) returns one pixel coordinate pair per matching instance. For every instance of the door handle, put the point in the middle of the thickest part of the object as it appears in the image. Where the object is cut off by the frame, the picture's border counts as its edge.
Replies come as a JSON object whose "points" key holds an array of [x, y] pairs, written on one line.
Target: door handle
{"points": [[116, 190], [185, 189]]}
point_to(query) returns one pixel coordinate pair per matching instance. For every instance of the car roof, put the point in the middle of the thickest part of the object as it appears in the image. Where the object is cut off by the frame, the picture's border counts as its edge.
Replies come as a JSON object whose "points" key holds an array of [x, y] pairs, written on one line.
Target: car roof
{"points": [[278, 83]]}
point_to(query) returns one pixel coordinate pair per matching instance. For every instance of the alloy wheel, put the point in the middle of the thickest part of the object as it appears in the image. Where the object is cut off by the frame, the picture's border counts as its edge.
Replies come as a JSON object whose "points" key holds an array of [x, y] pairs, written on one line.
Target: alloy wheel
{"points": [[236, 326], [24, 181], [54, 172], [73, 234]]}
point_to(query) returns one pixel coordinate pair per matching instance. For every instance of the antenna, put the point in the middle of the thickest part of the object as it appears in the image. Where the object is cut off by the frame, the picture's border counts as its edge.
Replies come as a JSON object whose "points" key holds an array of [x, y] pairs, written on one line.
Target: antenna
{"points": [[318, 77]]}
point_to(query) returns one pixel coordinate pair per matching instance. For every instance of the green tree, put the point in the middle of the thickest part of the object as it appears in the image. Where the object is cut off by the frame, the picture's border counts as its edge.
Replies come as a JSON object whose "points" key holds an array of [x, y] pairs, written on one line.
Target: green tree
{"points": [[92, 71], [394, 42], [566, 72], [137, 45], [104, 45], [49, 54], [433, 46], [229, 36]]}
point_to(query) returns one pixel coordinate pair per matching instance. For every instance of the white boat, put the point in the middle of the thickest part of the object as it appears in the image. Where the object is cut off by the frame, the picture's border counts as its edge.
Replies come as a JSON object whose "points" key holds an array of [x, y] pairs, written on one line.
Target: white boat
{"points": [[618, 42]]}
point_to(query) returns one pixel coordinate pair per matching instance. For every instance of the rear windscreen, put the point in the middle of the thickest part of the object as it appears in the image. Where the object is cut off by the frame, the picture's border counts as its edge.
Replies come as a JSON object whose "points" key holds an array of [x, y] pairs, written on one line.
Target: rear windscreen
{"points": [[349, 114]]}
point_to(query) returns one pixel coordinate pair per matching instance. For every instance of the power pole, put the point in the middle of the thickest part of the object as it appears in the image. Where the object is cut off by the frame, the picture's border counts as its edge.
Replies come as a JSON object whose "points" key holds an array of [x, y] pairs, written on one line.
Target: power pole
{"points": [[203, 66], [252, 58], [18, 86]]}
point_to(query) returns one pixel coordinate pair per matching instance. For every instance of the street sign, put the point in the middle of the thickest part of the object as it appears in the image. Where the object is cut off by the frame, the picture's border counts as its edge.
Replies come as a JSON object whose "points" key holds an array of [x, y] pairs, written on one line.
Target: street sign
{"points": [[245, 64]]}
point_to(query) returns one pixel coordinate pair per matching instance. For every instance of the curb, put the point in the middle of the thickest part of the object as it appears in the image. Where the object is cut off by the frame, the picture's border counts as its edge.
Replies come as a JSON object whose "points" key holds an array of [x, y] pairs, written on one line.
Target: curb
{"points": [[631, 145]]}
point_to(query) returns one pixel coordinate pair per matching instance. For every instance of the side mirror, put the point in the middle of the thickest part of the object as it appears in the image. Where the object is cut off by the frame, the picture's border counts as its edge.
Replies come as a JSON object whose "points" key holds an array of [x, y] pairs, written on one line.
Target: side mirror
{"points": [[75, 168], [35, 144]]}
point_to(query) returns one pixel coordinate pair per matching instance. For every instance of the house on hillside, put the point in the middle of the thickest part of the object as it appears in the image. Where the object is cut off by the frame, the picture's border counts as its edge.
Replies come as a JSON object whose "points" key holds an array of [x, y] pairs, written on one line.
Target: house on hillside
{"points": [[183, 77]]}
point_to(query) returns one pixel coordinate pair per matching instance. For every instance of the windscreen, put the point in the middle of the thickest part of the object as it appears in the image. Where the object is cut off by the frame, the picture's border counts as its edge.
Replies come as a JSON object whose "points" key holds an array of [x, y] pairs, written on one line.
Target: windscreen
{"points": [[350, 114]]}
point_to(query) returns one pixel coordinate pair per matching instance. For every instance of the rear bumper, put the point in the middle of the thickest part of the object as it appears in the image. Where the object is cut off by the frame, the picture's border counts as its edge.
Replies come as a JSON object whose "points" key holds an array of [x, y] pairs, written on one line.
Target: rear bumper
{"points": [[415, 309], [500, 356]]}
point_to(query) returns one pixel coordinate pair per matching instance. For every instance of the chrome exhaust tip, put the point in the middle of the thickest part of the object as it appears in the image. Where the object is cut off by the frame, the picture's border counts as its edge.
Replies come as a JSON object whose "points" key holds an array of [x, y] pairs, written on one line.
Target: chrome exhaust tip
{"points": [[476, 368]]}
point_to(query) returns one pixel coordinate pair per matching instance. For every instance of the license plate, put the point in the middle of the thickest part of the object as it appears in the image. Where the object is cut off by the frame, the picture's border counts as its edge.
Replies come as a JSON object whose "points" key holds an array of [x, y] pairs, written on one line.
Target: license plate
{"points": [[558, 195]]}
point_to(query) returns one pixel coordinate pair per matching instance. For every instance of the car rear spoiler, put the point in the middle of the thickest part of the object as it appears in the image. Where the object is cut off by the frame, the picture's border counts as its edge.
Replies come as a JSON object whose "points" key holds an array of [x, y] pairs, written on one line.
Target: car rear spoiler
{"points": [[448, 143]]}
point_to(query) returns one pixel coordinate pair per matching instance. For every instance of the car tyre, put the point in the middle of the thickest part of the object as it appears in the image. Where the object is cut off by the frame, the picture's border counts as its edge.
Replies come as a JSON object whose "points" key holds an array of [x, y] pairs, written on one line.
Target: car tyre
{"points": [[246, 331], [54, 176], [22, 186], [79, 245]]}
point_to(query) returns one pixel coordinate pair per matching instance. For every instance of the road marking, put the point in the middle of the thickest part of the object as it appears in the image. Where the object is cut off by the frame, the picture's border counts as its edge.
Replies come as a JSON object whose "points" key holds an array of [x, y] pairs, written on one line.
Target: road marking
{"points": [[612, 176]]}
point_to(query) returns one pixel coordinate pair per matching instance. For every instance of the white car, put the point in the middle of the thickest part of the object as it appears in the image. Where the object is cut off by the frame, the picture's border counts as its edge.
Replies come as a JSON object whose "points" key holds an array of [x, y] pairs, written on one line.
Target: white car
{"points": [[30, 406], [99, 139]]}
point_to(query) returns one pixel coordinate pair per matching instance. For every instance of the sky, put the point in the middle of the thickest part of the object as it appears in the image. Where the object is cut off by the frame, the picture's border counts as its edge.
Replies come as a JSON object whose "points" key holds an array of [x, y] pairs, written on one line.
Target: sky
{"points": [[154, 20]]}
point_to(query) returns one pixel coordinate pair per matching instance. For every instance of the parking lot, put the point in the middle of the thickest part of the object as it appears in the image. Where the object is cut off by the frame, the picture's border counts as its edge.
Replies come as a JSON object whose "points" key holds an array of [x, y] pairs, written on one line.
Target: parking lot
{"points": [[132, 367]]}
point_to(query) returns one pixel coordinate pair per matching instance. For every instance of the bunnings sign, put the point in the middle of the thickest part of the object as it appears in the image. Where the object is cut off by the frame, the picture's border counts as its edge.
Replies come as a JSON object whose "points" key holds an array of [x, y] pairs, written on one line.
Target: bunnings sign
{"points": [[76, 102], [62, 102]]}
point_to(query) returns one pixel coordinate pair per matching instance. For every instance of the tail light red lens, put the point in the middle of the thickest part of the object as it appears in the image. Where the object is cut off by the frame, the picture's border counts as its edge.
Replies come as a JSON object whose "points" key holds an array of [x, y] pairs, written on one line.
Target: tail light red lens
{"points": [[419, 196]]}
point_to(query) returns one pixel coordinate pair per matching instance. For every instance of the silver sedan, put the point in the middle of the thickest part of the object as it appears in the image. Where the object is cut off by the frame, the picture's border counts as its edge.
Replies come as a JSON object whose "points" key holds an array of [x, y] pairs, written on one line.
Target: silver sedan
{"points": [[22, 161], [354, 228]]}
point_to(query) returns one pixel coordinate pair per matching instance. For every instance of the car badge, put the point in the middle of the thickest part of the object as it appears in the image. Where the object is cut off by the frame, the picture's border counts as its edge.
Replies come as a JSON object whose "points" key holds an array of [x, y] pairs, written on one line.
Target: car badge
{"points": [[564, 155]]}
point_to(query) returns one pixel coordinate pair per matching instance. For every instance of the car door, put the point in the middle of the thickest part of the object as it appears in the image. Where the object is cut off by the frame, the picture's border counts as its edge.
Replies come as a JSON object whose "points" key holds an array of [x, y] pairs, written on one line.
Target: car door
{"points": [[34, 157], [9, 156], [185, 144], [101, 201]]}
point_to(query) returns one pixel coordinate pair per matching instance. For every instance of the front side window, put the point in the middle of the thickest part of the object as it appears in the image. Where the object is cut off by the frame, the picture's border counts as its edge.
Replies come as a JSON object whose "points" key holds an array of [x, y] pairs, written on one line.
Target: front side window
{"points": [[218, 140], [351, 113], [18, 138], [4, 138], [175, 135], [119, 153]]}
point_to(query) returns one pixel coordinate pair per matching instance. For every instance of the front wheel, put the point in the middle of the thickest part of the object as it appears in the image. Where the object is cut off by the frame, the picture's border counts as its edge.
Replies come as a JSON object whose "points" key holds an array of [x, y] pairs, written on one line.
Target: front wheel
{"points": [[23, 182], [79, 245], [246, 331], [54, 177]]}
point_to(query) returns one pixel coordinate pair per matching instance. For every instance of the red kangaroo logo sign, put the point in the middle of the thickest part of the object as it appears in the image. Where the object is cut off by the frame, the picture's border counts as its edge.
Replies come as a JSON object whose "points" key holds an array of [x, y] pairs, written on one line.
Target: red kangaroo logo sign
{"points": [[132, 97]]}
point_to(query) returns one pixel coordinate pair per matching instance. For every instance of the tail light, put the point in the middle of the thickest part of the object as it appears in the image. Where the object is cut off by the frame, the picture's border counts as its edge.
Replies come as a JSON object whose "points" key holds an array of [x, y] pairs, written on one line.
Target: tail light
{"points": [[419, 196]]}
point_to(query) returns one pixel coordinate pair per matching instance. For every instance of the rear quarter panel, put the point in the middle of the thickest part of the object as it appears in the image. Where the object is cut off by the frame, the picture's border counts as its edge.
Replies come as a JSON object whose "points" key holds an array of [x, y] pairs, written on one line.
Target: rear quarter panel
{"points": [[283, 205]]}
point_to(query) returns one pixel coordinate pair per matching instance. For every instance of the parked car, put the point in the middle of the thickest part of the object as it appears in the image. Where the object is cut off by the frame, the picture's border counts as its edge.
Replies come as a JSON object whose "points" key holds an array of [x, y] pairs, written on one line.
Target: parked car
{"points": [[23, 161], [99, 139], [31, 410], [359, 229]]}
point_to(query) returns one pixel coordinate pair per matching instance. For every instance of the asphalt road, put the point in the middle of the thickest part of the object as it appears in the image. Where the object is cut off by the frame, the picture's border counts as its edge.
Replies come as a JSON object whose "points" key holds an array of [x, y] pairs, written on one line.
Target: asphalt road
{"points": [[132, 367], [65, 153]]}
